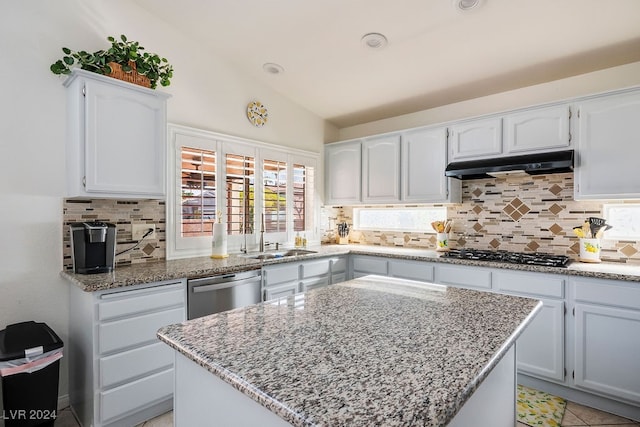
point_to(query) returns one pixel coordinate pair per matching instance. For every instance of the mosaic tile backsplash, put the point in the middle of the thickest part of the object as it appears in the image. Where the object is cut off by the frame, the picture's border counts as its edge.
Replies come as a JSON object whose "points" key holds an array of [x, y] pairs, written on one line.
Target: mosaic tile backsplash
{"points": [[122, 213], [521, 214]]}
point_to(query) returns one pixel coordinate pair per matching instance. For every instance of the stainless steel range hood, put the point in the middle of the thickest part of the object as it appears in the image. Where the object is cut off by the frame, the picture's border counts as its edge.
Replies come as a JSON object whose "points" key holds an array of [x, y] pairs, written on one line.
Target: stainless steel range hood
{"points": [[531, 164]]}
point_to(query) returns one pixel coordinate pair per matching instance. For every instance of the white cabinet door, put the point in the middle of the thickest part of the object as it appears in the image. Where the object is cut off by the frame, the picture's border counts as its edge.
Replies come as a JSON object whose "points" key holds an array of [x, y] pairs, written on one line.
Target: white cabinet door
{"points": [[607, 350], [463, 276], [607, 341], [362, 265], [608, 148], [381, 170], [424, 159], [343, 173], [477, 138], [541, 345], [412, 270], [117, 138], [540, 129], [281, 291]]}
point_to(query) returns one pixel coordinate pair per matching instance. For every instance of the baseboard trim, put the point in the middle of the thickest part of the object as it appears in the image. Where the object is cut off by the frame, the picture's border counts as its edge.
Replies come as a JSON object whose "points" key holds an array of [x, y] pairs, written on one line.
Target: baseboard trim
{"points": [[63, 402]]}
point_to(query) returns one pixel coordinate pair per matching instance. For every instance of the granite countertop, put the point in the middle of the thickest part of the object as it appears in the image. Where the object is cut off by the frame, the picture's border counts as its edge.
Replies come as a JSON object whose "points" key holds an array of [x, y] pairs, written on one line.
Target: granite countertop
{"points": [[370, 351], [206, 266]]}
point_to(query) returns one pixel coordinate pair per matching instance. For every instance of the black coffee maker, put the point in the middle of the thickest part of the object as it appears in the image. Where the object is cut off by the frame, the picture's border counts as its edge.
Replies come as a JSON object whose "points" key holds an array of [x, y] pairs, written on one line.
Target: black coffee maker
{"points": [[93, 247]]}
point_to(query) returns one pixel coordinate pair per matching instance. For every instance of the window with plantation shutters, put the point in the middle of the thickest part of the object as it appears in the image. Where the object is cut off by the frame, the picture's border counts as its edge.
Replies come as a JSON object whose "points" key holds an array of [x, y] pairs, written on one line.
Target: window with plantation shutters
{"points": [[218, 177], [274, 193], [198, 191], [240, 181], [302, 196]]}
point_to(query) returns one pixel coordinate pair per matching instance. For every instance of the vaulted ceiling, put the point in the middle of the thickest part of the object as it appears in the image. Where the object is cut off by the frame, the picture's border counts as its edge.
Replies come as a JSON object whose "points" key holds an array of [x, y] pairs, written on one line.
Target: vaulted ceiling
{"points": [[436, 54]]}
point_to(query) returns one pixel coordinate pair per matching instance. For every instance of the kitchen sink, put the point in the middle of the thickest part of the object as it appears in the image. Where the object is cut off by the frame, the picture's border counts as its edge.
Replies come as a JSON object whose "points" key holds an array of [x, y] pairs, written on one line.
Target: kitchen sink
{"points": [[272, 255]]}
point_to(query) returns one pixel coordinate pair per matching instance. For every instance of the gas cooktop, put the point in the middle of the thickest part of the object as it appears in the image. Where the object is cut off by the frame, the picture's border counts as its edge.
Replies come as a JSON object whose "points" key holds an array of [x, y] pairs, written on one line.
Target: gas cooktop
{"points": [[534, 258]]}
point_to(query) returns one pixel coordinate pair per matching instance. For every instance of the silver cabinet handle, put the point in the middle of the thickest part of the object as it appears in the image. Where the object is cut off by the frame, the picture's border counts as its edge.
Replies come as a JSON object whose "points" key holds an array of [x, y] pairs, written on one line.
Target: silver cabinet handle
{"points": [[207, 288]]}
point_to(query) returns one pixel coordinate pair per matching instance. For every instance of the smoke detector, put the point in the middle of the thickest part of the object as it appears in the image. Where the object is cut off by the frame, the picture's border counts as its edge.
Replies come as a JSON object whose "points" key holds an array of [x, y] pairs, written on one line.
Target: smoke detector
{"points": [[464, 5], [374, 41]]}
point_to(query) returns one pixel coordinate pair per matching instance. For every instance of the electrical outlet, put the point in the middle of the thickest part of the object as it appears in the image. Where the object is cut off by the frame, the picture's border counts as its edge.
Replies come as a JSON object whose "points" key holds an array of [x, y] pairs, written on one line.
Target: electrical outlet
{"points": [[139, 230]]}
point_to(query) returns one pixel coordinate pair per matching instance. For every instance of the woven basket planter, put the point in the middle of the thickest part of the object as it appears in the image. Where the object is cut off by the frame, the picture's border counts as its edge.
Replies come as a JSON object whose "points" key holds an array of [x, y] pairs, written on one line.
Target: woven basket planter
{"points": [[131, 76]]}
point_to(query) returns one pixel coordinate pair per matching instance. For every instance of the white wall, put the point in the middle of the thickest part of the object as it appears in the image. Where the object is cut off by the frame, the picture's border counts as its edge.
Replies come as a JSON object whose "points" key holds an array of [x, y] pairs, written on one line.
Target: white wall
{"points": [[206, 93], [584, 84]]}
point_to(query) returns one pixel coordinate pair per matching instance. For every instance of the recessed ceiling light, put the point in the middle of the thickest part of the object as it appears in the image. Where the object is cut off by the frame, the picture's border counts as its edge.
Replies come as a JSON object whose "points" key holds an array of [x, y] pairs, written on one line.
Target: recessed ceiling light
{"points": [[374, 41], [466, 4], [272, 68]]}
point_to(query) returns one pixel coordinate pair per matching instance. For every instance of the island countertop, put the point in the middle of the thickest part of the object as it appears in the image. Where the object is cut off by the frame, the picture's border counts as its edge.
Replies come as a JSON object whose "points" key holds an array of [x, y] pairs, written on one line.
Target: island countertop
{"points": [[370, 351]]}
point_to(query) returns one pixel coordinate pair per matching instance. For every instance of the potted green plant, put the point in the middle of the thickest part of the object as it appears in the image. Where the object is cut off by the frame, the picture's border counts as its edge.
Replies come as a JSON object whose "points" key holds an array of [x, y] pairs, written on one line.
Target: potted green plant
{"points": [[125, 59]]}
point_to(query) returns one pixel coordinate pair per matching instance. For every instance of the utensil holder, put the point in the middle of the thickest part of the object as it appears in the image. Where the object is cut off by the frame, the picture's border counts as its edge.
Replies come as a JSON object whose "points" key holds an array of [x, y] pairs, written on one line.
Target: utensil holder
{"points": [[442, 242], [342, 240], [590, 250]]}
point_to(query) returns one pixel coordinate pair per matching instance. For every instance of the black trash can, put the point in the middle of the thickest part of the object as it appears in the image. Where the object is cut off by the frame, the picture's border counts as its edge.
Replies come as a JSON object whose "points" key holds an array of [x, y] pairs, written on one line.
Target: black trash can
{"points": [[30, 354]]}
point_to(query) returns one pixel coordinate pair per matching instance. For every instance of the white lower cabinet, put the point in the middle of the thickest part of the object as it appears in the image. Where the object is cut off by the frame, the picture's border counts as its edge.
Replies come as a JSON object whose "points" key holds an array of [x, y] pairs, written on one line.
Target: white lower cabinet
{"points": [[411, 270], [463, 276], [541, 345], [607, 338], [121, 374], [363, 265], [283, 280]]}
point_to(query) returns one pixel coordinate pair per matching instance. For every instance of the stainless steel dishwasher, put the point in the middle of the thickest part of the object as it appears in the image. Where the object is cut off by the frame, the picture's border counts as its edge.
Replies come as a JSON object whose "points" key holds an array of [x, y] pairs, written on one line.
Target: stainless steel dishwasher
{"points": [[210, 295]]}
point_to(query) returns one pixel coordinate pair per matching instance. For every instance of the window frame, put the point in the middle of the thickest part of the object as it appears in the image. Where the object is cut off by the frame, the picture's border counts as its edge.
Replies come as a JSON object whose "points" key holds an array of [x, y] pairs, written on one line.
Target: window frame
{"points": [[426, 228], [613, 233], [186, 247]]}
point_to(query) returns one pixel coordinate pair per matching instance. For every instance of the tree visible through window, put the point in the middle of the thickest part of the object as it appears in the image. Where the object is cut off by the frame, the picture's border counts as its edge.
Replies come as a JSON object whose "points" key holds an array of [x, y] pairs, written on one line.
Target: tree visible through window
{"points": [[198, 191], [240, 181]]}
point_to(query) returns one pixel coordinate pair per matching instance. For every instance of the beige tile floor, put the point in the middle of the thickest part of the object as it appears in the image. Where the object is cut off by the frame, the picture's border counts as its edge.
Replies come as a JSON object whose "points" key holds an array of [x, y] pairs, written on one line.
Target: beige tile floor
{"points": [[578, 415], [575, 415]]}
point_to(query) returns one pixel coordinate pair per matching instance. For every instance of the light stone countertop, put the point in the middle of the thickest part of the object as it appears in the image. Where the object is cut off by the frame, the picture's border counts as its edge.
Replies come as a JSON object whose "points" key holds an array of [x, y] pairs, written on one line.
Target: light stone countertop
{"points": [[370, 351], [205, 266]]}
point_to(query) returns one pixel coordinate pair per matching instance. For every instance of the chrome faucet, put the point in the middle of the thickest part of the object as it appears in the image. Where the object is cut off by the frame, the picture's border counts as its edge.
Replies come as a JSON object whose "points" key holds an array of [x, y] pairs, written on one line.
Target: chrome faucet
{"points": [[262, 234]]}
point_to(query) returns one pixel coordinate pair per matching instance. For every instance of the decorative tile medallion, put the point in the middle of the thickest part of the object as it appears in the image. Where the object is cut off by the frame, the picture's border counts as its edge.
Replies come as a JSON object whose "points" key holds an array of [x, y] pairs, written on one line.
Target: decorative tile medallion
{"points": [[555, 209]]}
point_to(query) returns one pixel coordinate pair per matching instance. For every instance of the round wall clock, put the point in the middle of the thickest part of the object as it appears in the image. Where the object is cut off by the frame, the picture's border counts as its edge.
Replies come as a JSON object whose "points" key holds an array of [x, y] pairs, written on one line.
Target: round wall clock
{"points": [[257, 114]]}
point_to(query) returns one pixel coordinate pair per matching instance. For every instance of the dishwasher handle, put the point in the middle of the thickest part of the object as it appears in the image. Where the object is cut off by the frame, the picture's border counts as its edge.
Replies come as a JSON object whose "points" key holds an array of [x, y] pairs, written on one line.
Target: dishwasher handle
{"points": [[217, 286]]}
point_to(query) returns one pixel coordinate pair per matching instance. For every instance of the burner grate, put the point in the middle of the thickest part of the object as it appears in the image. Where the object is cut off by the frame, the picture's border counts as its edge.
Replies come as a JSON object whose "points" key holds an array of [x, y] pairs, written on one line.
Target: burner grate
{"points": [[535, 258]]}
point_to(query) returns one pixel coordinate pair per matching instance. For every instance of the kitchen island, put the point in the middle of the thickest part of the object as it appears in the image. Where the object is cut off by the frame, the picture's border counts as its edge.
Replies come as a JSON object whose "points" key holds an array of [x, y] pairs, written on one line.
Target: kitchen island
{"points": [[370, 351]]}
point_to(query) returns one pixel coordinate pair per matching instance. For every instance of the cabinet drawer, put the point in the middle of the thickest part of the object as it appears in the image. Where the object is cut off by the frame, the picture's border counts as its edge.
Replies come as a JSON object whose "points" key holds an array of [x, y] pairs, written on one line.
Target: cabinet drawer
{"points": [[119, 304], [411, 270], [315, 268], [321, 282], [338, 278], [529, 284], [338, 265], [464, 276], [281, 291], [369, 265], [607, 292], [281, 274], [135, 395], [134, 363], [126, 333]]}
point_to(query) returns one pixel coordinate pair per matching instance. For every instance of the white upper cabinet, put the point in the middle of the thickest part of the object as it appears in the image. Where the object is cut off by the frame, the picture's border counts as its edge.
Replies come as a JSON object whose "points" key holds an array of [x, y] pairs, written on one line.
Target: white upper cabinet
{"points": [[475, 139], [343, 173], [116, 143], [537, 129], [521, 132], [608, 148], [381, 170], [424, 158]]}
